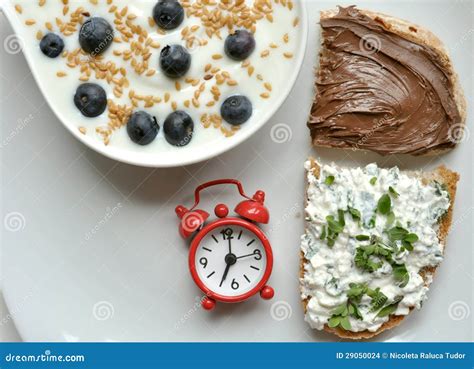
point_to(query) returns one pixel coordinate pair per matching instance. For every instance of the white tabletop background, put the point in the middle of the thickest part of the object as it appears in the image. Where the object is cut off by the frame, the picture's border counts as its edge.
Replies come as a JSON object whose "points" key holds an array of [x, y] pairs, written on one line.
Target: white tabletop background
{"points": [[129, 281]]}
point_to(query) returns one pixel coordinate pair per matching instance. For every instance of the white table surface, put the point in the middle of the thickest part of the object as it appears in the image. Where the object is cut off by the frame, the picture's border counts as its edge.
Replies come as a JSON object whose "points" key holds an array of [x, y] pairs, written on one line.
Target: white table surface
{"points": [[55, 278]]}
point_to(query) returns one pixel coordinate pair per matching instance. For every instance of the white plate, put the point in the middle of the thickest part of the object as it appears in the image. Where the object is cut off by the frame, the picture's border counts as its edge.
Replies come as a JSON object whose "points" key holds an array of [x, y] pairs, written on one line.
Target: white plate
{"points": [[133, 270], [206, 143]]}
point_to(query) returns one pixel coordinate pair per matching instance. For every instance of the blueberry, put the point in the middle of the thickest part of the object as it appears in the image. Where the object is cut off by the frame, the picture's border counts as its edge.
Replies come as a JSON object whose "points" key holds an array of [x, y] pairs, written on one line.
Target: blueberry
{"points": [[236, 109], [175, 61], [51, 45], [142, 128], [239, 45], [178, 128], [96, 35], [90, 99], [168, 14]]}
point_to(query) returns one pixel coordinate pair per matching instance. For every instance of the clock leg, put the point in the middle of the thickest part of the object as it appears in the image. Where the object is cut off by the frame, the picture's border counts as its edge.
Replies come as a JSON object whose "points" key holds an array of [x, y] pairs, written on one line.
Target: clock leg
{"points": [[208, 303], [267, 292]]}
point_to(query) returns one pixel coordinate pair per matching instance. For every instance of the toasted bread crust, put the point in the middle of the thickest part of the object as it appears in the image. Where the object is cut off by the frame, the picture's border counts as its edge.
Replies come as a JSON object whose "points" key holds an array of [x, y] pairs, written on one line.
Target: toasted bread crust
{"points": [[442, 175], [423, 36]]}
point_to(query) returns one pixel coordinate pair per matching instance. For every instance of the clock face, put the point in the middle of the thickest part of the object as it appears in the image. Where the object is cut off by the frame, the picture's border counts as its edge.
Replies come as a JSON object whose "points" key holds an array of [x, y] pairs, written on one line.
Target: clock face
{"points": [[230, 260]]}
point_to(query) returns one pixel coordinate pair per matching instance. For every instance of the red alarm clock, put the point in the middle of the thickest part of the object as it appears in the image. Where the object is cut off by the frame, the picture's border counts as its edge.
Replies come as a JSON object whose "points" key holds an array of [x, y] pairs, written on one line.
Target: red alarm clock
{"points": [[230, 259]]}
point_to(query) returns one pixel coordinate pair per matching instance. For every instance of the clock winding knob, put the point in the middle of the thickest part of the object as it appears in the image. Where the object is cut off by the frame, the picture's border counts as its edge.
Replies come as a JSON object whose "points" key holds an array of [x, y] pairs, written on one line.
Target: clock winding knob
{"points": [[221, 210]]}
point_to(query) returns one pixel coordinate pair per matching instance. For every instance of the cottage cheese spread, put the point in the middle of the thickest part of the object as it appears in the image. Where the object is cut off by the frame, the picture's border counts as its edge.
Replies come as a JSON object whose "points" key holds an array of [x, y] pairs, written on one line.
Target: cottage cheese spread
{"points": [[369, 233]]}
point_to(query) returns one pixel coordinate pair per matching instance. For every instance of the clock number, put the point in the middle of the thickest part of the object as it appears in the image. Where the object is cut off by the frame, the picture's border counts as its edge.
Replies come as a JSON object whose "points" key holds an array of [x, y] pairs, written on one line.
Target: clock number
{"points": [[234, 284], [227, 234], [203, 262], [258, 254]]}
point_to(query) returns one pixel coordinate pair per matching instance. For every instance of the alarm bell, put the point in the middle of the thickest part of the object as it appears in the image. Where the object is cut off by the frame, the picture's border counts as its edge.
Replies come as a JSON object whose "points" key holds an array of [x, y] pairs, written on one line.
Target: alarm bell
{"points": [[191, 221], [254, 209]]}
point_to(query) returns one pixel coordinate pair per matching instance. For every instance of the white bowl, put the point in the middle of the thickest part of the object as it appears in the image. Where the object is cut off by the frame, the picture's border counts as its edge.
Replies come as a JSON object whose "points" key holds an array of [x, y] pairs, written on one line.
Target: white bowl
{"points": [[146, 155]]}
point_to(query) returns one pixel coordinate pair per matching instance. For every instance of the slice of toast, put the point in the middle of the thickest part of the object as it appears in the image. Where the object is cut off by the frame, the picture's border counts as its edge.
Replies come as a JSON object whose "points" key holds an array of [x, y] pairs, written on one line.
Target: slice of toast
{"points": [[444, 176], [418, 35]]}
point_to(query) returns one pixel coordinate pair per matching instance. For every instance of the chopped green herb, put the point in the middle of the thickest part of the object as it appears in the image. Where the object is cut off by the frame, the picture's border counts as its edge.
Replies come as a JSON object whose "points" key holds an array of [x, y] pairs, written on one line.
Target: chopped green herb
{"points": [[334, 321], [356, 291], [440, 187], [390, 219], [363, 255], [384, 204], [378, 299], [389, 309], [373, 180], [396, 233], [356, 314], [410, 237], [371, 223], [354, 212], [329, 180], [345, 324], [393, 192], [334, 225], [362, 260], [340, 310], [323, 233], [400, 273], [341, 219], [362, 237]]}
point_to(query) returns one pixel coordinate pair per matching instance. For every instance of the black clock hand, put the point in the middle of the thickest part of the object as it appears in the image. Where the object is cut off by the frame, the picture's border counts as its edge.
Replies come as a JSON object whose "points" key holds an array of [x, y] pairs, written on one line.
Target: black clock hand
{"points": [[225, 274], [230, 260], [255, 253], [230, 247], [244, 256]]}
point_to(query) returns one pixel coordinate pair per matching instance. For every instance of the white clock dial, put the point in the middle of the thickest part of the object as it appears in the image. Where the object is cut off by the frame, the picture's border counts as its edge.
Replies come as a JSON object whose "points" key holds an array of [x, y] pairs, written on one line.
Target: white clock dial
{"points": [[230, 260]]}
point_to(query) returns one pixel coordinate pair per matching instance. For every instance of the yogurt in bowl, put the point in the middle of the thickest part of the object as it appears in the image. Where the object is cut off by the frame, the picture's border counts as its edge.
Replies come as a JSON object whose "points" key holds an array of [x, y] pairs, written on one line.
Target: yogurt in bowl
{"points": [[128, 68]]}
